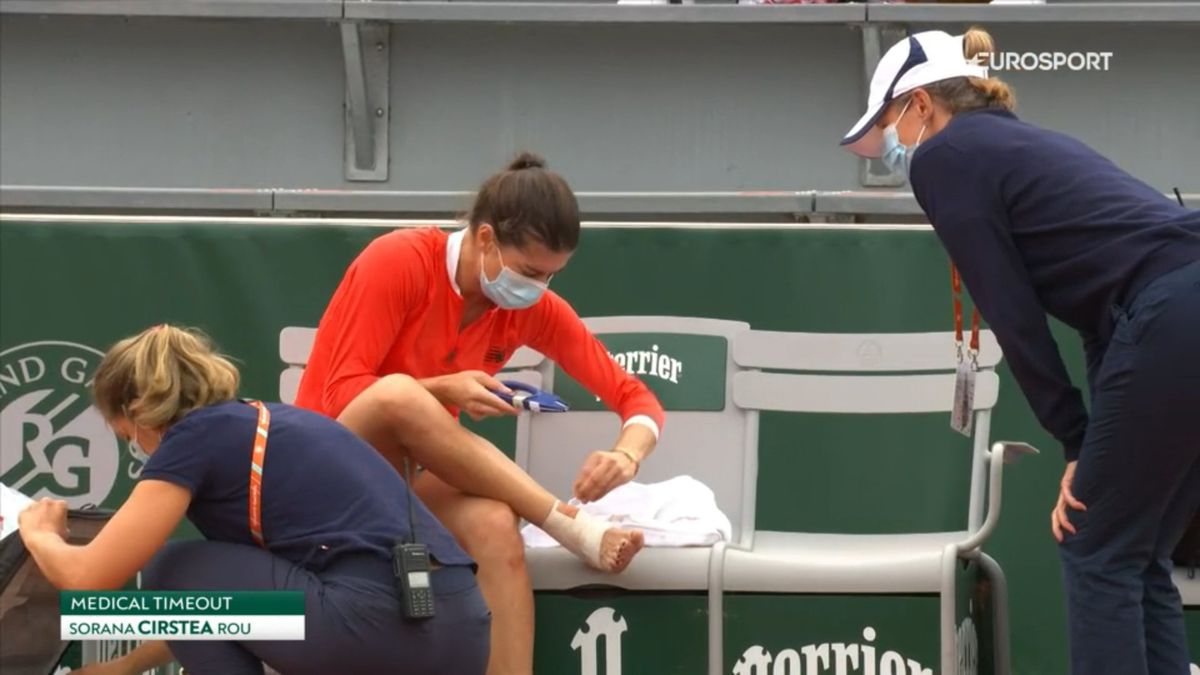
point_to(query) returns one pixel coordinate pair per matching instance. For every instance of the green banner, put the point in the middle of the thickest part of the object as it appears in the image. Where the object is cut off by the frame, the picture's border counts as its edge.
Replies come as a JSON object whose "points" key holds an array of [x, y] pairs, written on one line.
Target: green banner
{"points": [[607, 634], [826, 634], [68, 290], [686, 372], [1191, 616], [112, 603]]}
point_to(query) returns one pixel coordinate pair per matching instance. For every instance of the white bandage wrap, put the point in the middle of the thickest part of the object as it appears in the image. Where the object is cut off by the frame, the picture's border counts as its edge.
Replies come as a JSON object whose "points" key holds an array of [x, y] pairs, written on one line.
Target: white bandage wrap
{"points": [[644, 420], [580, 535]]}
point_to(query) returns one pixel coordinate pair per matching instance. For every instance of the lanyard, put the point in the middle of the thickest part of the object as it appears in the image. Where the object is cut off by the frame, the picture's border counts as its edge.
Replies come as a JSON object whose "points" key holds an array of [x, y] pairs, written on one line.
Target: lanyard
{"points": [[973, 347], [256, 471]]}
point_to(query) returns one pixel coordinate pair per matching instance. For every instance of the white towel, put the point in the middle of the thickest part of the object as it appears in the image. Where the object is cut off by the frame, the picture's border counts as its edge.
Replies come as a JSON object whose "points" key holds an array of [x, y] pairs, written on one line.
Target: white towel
{"points": [[681, 511], [12, 503]]}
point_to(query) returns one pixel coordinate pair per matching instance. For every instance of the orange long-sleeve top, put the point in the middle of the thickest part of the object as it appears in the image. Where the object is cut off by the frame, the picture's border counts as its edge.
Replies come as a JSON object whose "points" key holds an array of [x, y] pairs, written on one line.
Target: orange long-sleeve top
{"points": [[398, 310]]}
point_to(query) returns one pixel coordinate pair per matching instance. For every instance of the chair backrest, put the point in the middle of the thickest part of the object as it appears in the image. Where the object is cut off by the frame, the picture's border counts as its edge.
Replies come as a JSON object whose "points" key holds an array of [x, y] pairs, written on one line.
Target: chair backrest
{"points": [[295, 344], [713, 377], [688, 363], [868, 374], [857, 373]]}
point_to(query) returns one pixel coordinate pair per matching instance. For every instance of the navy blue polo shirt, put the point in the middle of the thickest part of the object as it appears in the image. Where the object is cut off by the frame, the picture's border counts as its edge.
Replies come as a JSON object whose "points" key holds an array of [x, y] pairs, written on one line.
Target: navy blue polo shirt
{"points": [[1038, 223], [325, 491]]}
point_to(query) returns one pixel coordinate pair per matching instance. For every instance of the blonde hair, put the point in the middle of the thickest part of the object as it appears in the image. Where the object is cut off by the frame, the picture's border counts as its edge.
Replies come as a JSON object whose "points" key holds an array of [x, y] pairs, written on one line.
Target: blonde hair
{"points": [[161, 374], [963, 94]]}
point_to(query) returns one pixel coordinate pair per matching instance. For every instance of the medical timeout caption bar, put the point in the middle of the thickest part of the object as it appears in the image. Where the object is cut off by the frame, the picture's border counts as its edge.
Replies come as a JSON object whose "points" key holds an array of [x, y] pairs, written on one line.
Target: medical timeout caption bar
{"points": [[182, 615]]}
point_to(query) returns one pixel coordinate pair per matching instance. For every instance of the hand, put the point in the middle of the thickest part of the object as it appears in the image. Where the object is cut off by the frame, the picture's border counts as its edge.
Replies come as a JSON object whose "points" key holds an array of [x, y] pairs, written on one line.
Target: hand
{"points": [[45, 516], [473, 392], [1058, 517], [602, 471]]}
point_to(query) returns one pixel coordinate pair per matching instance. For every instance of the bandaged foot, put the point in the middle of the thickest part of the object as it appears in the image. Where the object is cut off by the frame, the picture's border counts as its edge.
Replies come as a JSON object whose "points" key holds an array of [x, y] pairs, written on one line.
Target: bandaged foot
{"points": [[599, 543]]}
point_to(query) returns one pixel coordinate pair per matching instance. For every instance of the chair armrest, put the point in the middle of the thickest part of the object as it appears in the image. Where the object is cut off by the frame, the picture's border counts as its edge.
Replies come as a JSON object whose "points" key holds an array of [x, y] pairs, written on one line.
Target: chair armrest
{"points": [[1014, 450], [1002, 452]]}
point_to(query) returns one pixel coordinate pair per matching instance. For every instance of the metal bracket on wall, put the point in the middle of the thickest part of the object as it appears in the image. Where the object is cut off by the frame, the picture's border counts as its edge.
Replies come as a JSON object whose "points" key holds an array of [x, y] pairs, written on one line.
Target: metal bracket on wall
{"points": [[365, 50], [876, 39]]}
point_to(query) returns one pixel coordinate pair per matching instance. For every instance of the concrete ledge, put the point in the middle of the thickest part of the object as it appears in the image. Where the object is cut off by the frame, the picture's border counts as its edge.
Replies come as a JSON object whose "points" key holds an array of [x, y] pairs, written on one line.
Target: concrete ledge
{"points": [[159, 199], [596, 12], [1083, 12], [213, 9], [786, 204]]}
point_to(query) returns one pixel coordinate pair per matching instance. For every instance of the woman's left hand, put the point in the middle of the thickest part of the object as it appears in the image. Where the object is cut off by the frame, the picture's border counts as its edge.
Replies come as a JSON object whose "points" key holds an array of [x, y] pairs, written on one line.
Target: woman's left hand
{"points": [[602, 471], [1060, 523], [44, 516]]}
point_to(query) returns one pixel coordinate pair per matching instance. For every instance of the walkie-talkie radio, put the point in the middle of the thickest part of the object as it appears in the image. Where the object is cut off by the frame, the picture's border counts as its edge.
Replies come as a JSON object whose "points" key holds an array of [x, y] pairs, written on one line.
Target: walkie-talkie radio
{"points": [[410, 564], [411, 568]]}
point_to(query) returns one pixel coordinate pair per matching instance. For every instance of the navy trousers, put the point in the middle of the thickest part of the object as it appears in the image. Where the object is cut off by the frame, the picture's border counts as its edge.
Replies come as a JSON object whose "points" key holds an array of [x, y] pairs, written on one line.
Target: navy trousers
{"points": [[352, 620], [1139, 476]]}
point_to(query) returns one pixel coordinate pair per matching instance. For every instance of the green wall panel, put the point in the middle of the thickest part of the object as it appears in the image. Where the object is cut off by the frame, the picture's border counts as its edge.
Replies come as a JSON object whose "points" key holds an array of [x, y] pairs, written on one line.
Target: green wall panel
{"points": [[789, 635], [89, 284], [659, 633]]}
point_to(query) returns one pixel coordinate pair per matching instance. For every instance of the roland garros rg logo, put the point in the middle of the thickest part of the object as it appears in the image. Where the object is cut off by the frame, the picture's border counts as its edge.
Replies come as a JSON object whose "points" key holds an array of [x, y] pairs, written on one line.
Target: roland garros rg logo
{"points": [[53, 443]]}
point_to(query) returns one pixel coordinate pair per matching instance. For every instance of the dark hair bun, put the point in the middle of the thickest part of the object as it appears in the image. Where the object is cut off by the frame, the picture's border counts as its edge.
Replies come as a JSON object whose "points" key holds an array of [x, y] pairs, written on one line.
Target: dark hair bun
{"points": [[527, 160], [524, 205]]}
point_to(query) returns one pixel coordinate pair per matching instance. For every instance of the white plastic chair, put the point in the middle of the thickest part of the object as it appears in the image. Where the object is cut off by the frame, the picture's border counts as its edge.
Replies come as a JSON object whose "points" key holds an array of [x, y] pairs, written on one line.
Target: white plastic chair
{"points": [[875, 374], [719, 447]]}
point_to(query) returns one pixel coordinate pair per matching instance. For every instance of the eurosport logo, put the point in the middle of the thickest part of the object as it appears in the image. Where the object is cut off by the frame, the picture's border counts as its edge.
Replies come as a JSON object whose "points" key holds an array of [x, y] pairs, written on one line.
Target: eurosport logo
{"points": [[1045, 61]]}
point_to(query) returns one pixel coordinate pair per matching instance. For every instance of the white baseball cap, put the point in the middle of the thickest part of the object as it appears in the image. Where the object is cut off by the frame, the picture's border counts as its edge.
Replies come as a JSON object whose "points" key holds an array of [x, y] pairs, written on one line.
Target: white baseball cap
{"points": [[921, 59]]}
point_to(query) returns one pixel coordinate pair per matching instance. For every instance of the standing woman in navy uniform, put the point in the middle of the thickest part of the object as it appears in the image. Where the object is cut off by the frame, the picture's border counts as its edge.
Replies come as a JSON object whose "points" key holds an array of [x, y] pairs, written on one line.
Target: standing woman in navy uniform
{"points": [[1038, 223]]}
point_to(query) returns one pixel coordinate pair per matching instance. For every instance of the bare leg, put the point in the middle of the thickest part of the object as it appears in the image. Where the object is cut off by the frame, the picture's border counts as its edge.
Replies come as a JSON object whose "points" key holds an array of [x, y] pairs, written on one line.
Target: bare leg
{"points": [[401, 419], [488, 531]]}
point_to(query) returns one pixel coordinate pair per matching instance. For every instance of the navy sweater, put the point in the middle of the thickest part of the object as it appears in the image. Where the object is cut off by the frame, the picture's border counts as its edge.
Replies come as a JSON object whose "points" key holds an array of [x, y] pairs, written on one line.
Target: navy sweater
{"points": [[1038, 223]]}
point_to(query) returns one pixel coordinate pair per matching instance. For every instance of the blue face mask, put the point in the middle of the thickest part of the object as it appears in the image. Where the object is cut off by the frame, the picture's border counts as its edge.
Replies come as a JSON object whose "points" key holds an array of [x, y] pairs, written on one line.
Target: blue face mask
{"points": [[510, 290], [896, 156]]}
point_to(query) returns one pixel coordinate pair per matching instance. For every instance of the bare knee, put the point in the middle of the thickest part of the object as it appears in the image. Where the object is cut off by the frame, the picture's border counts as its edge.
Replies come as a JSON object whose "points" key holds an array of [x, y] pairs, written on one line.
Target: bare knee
{"points": [[393, 399], [398, 393], [492, 536]]}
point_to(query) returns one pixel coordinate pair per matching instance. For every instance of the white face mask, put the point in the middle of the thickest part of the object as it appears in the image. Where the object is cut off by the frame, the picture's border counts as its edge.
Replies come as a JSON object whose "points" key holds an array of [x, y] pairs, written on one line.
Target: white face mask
{"points": [[138, 452]]}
